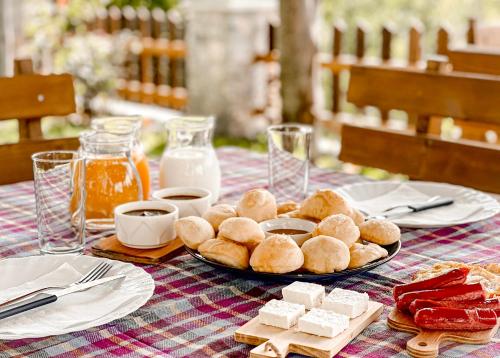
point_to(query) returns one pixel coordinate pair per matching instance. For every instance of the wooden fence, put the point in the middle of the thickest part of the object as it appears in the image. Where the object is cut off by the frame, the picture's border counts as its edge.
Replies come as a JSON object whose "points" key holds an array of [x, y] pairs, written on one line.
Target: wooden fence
{"points": [[154, 69]]}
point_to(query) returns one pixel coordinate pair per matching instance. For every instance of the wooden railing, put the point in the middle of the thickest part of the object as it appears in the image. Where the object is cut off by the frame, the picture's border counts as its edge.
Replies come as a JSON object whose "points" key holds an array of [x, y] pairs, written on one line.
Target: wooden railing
{"points": [[154, 70]]}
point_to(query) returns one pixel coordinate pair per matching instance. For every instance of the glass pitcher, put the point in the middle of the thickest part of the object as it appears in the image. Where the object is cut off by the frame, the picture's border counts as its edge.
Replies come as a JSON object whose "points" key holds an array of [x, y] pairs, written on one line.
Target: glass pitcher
{"points": [[189, 158], [128, 126], [110, 175]]}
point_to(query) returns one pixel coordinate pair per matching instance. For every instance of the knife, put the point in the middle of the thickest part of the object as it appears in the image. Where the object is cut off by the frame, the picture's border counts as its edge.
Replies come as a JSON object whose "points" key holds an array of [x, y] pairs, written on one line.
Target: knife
{"points": [[43, 299], [413, 208]]}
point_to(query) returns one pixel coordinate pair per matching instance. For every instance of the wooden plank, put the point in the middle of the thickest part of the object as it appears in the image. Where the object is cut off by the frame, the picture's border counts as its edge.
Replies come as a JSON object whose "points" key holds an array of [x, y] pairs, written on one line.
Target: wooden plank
{"points": [[428, 157], [461, 95], [387, 35], [361, 34], [31, 96], [474, 59], [20, 154]]}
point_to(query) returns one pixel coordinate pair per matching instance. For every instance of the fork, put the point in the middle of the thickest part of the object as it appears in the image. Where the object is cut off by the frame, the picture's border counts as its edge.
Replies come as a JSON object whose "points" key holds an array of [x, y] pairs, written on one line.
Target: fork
{"points": [[97, 272]]}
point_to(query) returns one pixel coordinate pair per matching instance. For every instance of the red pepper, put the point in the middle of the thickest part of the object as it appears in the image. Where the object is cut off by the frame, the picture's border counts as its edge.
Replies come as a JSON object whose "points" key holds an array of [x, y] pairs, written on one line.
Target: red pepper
{"points": [[454, 293], [456, 319], [492, 303], [450, 278]]}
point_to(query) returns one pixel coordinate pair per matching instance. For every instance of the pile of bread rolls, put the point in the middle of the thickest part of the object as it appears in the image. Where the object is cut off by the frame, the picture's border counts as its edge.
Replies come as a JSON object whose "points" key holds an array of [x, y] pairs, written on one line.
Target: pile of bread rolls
{"points": [[342, 238]]}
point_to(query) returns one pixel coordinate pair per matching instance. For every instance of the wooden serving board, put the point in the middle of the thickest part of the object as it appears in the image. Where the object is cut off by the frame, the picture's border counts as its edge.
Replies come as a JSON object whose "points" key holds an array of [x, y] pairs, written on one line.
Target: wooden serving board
{"points": [[278, 342], [426, 342], [111, 248]]}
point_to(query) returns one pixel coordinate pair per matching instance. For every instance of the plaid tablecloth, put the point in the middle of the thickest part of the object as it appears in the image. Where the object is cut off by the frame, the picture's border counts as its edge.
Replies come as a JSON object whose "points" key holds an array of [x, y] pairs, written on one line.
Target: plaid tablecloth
{"points": [[195, 308]]}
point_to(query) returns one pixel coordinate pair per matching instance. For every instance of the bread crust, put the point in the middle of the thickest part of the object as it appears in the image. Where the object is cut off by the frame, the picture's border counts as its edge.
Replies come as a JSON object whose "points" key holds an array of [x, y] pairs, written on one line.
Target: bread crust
{"points": [[363, 254], [324, 203], [225, 252], [380, 231], [242, 230], [325, 254], [339, 226], [277, 254], [257, 204], [193, 231], [218, 213]]}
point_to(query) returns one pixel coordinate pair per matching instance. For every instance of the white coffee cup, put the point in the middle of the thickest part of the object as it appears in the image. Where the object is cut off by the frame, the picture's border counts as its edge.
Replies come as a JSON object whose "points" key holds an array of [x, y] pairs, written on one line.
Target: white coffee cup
{"points": [[289, 223], [187, 207], [145, 232]]}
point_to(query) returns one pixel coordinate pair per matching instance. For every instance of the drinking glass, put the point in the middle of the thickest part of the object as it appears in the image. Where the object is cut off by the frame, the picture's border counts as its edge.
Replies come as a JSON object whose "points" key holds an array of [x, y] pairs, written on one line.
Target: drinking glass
{"points": [[289, 152], [60, 229]]}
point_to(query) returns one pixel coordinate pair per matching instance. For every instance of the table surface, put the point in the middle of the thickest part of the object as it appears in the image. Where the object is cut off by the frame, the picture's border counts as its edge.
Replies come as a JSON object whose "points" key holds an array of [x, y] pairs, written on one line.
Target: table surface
{"points": [[195, 309]]}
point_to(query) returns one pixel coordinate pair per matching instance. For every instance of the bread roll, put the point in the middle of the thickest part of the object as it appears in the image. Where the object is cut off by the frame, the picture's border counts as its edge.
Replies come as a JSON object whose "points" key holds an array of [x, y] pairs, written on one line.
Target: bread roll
{"points": [[277, 254], [325, 254], [324, 203], [380, 231], [226, 252], [193, 231], [340, 227], [257, 204], [363, 254], [357, 216], [287, 206], [218, 213], [296, 215], [242, 230]]}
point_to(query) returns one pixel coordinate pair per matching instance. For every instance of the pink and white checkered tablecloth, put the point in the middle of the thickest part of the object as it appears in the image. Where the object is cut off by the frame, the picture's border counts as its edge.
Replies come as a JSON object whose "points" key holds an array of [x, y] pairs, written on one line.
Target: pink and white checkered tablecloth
{"points": [[195, 308]]}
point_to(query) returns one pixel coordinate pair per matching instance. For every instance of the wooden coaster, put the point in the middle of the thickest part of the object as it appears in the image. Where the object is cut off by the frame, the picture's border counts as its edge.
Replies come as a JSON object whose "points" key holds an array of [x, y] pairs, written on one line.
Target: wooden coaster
{"points": [[111, 248]]}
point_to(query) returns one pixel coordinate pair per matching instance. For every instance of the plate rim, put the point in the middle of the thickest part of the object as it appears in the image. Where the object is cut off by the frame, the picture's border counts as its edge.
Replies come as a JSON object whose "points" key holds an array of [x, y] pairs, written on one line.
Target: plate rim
{"points": [[309, 277], [491, 211], [147, 292]]}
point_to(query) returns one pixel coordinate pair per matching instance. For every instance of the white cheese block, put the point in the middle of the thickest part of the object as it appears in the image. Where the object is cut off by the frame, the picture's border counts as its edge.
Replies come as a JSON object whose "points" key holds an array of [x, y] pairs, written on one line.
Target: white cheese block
{"points": [[304, 293], [281, 314], [323, 323], [346, 302]]}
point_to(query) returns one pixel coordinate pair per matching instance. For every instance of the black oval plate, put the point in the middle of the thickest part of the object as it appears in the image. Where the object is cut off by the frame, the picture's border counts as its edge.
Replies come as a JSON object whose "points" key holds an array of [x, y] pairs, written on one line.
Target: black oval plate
{"points": [[393, 250]]}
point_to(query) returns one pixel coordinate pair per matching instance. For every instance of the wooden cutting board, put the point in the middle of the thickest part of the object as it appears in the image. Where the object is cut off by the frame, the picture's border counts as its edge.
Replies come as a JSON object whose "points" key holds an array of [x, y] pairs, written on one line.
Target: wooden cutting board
{"points": [[426, 342], [278, 342]]}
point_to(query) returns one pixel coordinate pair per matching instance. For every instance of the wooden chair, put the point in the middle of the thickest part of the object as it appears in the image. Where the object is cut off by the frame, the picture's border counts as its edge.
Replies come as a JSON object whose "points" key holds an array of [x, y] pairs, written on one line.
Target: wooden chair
{"points": [[418, 153], [27, 98]]}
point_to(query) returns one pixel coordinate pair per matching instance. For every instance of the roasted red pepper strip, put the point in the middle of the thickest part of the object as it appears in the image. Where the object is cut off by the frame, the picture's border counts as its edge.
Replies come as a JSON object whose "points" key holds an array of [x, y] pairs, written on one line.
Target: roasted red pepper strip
{"points": [[451, 278], [454, 293], [491, 303], [456, 319]]}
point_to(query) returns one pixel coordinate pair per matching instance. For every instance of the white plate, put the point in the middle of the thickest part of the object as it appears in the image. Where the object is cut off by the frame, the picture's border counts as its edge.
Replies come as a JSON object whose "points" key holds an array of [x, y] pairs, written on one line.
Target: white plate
{"points": [[131, 293], [364, 191]]}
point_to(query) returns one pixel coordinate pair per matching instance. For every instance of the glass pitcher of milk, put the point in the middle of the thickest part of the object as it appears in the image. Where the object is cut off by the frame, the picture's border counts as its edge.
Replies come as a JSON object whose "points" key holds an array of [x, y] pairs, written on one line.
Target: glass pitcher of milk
{"points": [[189, 158]]}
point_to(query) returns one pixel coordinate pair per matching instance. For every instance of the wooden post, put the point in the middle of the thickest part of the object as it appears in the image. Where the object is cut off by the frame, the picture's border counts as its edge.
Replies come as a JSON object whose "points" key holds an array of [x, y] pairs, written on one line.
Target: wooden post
{"points": [[130, 18], [361, 32], [472, 31], [172, 21], [338, 34], [115, 19], [144, 17], [414, 45], [101, 17], [296, 59], [443, 39], [387, 34]]}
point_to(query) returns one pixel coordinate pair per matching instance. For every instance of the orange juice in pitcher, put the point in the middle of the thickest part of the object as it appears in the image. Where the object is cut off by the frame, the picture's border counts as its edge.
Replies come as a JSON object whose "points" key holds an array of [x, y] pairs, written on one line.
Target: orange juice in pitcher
{"points": [[115, 171]]}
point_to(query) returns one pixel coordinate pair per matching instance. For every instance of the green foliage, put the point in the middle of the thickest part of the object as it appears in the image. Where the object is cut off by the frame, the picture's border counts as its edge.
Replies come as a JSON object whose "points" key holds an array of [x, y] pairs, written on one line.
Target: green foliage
{"points": [[150, 4]]}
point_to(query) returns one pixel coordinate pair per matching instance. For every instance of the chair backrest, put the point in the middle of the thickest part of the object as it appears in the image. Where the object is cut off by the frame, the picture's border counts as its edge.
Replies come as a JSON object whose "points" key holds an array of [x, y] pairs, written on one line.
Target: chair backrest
{"points": [[417, 153], [483, 35], [475, 59], [28, 98]]}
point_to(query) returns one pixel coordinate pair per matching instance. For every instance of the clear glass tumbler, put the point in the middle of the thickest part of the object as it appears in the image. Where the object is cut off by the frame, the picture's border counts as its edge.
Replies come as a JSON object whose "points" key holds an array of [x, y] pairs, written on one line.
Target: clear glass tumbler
{"points": [[289, 152], [60, 229]]}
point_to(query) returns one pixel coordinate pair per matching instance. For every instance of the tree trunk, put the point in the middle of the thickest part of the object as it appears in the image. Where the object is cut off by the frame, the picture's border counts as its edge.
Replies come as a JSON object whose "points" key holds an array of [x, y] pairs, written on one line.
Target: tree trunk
{"points": [[296, 59]]}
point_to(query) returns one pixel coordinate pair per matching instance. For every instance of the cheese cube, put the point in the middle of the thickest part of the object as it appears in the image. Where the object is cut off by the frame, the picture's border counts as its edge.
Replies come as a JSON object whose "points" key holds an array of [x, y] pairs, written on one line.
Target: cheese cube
{"points": [[281, 314], [323, 323], [346, 302], [304, 293]]}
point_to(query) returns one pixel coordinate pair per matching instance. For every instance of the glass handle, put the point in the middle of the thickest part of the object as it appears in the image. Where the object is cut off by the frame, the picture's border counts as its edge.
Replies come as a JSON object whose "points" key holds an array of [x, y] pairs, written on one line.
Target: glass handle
{"points": [[137, 176]]}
